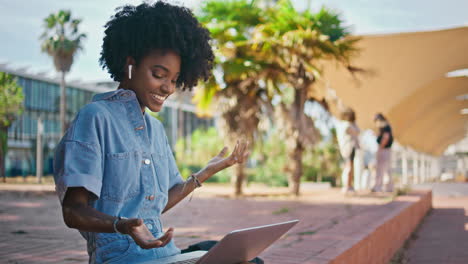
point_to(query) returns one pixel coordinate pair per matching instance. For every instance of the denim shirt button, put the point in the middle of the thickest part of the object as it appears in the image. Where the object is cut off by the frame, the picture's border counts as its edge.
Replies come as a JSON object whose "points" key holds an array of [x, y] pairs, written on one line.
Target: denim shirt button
{"points": [[147, 161], [150, 197], [150, 226]]}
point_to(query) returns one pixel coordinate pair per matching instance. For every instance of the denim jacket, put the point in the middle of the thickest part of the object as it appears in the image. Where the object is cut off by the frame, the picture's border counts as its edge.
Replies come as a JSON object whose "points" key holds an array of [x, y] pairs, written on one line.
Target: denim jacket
{"points": [[123, 158]]}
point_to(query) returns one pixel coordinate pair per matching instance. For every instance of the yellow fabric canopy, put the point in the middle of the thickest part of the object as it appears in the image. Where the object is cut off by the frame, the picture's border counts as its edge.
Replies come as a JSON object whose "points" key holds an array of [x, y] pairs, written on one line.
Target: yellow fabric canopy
{"points": [[405, 79]]}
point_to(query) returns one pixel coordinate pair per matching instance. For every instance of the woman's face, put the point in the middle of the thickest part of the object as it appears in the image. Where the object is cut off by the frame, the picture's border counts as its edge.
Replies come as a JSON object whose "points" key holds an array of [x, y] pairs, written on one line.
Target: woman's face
{"points": [[379, 124], [376, 123], [155, 78]]}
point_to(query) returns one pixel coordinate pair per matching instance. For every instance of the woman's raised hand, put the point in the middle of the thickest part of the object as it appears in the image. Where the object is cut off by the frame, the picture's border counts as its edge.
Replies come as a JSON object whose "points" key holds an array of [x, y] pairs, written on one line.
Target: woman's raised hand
{"points": [[220, 161]]}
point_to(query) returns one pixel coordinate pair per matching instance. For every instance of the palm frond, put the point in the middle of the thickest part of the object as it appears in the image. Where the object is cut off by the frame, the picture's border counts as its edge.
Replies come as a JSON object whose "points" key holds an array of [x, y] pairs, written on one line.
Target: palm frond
{"points": [[61, 38]]}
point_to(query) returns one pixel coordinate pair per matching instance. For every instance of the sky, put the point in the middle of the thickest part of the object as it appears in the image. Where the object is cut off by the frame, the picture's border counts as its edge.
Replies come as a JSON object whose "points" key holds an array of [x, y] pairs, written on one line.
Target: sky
{"points": [[21, 24]]}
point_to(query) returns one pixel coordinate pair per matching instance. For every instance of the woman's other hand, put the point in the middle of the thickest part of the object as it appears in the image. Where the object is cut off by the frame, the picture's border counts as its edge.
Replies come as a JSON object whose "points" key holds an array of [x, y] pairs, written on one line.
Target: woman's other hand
{"points": [[141, 235]]}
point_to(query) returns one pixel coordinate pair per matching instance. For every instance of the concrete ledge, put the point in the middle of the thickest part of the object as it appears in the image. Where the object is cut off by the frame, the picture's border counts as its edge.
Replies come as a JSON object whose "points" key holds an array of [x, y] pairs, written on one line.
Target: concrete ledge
{"points": [[383, 242], [372, 236]]}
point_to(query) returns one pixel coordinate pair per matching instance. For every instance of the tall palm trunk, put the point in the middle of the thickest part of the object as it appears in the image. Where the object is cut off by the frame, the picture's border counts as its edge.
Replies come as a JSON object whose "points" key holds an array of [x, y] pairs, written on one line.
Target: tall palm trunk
{"points": [[241, 121], [63, 105], [296, 170], [240, 176], [296, 153]]}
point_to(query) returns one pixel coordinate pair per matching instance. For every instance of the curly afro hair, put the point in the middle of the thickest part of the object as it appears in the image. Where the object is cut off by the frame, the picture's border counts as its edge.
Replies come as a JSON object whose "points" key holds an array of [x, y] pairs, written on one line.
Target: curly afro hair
{"points": [[137, 30]]}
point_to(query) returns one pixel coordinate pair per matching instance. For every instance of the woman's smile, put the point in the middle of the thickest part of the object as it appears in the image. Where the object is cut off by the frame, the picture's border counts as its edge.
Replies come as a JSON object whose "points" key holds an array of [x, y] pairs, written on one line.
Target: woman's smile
{"points": [[158, 99]]}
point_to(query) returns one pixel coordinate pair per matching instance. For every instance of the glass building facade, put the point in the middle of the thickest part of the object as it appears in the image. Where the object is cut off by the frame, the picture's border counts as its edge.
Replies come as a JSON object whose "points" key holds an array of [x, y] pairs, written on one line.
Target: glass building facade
{"points": [[42, 100]]}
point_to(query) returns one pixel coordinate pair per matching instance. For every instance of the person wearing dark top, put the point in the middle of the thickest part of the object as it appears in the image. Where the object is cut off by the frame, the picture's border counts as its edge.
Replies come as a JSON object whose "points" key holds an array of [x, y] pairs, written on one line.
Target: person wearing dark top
{"points": [[386, 129], [384, 154]]}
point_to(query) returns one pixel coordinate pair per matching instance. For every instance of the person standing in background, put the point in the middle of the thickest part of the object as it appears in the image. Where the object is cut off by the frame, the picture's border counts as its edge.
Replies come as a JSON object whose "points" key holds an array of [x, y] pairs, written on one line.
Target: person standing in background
{"points": [[384, 154], [348, 141]]}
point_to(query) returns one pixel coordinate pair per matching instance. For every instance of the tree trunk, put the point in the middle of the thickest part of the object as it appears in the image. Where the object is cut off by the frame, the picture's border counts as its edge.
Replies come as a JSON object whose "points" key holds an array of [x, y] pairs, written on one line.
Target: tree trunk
{"points": [[338, 180], [63, 106], [3, 150], [319, 176], [296, 154], [296, 170], [240, 175]]}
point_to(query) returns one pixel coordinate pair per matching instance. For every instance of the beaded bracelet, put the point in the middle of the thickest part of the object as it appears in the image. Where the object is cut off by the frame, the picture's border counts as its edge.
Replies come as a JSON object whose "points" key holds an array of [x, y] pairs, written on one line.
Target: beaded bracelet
{"points": [[196, 180], [197, 183]]}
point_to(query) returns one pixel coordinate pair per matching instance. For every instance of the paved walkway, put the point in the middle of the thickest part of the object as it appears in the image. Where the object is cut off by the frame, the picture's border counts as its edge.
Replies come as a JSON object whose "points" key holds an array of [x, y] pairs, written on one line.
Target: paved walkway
{"points": [[33, 231], [443, 236]]}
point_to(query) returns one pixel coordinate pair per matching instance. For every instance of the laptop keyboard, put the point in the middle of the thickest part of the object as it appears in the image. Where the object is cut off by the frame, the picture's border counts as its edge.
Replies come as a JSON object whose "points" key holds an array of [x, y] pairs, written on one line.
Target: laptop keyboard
{"points": [[187, 261]]}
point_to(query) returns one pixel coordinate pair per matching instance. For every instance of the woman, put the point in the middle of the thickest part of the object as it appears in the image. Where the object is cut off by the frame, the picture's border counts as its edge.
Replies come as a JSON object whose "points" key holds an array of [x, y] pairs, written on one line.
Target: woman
{"points": [[348, 140], [114, 170], [384, 154]]}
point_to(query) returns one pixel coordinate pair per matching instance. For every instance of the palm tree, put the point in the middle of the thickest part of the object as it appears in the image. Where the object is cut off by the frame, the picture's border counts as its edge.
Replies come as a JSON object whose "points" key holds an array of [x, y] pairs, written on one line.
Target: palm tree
{"points": [[61, 41], [293, 44], [236, 88], [11, 105]]}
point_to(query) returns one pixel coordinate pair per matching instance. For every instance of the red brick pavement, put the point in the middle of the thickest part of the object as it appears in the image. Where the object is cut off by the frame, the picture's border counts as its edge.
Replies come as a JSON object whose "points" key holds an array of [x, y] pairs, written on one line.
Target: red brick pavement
{"points": [[443, 236], [33, 231]]}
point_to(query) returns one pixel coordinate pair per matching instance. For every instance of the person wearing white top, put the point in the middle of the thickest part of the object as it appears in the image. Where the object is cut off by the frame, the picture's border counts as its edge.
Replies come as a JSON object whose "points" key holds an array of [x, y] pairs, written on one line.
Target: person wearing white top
{"points": [[348, 141]]}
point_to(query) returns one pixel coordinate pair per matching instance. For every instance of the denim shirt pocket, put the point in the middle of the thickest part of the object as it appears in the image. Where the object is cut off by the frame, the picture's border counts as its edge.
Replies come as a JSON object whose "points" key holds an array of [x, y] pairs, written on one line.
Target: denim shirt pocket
{"points": [[122, 176], [161, 167], [111, 248]]}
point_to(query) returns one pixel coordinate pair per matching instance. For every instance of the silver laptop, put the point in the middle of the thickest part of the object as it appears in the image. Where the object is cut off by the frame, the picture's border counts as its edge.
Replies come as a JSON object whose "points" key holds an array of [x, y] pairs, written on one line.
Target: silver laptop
{"points": [[236, 247]]}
